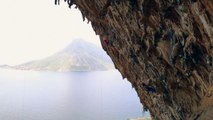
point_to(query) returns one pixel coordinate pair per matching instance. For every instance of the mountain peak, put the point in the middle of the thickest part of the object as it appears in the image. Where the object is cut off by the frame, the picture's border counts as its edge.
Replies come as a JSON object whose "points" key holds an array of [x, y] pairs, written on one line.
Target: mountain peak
{"points": [[79, 55], [80, 44]]}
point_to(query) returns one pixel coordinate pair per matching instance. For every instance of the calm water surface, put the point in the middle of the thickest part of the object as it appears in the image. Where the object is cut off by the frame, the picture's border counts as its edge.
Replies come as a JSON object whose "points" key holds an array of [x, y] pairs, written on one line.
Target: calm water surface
{"points": [[102, 95]]}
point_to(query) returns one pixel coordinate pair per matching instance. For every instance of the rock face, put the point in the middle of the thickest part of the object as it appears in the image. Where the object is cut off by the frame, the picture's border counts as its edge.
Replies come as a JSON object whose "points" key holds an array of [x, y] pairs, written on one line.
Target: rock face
{"points": [[163, 47]]}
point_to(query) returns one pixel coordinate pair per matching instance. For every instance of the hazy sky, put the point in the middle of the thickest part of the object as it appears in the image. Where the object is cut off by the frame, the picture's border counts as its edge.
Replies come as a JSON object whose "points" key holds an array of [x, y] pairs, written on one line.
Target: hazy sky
{"points": [[33, 29]]}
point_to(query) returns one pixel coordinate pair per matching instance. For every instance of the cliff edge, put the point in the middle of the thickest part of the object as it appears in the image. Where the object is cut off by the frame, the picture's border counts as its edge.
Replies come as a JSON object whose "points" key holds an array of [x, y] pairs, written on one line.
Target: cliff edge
{"points": [[163, 47]]}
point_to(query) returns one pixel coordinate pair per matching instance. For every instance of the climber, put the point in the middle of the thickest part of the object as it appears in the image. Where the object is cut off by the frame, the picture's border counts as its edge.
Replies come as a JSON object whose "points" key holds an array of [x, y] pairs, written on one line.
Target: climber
{"points": [[106, 40], [149, 89], [171, 34]]}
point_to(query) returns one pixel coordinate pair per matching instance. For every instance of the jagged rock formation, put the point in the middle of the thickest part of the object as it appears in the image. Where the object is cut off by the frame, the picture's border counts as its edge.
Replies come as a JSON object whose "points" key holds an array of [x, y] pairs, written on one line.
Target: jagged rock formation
{"points": [[163, 47]]}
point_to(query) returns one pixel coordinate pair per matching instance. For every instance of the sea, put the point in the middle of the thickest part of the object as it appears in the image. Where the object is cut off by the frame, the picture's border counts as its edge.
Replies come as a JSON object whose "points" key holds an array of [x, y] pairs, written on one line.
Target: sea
{"points": [[36, 95]]}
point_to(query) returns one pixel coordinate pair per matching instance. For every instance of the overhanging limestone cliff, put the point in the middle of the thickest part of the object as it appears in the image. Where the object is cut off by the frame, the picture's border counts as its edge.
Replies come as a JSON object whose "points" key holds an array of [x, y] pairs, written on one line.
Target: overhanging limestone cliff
{"points": [[163, 47]]}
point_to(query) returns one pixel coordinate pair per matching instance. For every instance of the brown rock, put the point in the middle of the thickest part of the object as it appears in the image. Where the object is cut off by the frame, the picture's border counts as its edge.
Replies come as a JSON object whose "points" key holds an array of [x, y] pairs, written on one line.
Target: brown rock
{"points": [[140, 57]]}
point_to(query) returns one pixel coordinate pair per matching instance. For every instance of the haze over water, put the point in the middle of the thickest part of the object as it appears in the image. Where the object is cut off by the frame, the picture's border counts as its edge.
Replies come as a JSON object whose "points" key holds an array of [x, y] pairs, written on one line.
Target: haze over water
{"points": [[26, 95]]}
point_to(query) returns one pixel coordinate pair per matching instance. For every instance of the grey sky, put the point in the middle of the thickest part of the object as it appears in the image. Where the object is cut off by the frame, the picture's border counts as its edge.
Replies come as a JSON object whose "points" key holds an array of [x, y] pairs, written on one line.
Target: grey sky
{"points": [[33, 29]]}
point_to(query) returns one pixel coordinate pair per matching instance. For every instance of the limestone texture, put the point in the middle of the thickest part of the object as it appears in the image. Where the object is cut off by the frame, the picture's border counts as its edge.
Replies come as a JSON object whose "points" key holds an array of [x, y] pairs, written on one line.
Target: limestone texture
{"points": [[163, 47]]}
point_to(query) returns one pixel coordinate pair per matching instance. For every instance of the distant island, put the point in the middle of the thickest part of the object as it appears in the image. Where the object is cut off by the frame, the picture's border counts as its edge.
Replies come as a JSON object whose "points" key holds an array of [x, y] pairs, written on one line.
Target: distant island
{"points": [[80, 55]]}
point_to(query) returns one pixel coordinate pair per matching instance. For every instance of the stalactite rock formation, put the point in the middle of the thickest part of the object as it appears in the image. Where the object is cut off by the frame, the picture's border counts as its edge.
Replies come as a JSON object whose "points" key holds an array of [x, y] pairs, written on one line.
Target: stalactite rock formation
{"points": [[163, 47]]}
